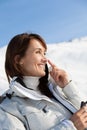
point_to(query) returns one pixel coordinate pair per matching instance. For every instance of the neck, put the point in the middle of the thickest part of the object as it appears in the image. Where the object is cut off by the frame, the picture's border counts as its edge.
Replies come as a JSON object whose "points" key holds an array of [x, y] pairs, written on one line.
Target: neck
{"points": [[31, 82]]}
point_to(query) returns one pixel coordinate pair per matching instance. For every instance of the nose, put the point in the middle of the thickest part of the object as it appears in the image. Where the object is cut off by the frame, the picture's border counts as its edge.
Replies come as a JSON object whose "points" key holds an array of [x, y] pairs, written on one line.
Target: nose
{"points": [[44, 59]]}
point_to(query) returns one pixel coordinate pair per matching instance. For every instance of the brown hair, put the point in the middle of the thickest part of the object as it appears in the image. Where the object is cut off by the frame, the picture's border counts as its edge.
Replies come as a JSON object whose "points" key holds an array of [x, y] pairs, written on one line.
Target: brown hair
{"points": [[17, 47]]}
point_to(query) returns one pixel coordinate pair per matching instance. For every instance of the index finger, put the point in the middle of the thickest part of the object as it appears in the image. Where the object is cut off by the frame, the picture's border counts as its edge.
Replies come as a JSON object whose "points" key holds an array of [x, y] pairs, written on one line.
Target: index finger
{"points": [[82, 110], [51, 63]]}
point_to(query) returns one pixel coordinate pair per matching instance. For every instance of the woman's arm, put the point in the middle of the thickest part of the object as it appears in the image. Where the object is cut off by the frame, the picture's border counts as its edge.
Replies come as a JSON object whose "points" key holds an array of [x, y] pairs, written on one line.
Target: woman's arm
{"points": [[73, 94], [61, 78]]}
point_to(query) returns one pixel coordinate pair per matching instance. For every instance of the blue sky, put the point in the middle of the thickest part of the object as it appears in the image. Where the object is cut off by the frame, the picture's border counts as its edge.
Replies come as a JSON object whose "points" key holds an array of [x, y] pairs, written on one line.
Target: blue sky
{"points": [[55, 20]]}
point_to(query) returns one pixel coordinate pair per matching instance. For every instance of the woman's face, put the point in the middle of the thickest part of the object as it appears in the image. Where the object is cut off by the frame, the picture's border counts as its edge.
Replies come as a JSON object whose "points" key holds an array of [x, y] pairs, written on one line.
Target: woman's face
{"points": [[33, 63]]}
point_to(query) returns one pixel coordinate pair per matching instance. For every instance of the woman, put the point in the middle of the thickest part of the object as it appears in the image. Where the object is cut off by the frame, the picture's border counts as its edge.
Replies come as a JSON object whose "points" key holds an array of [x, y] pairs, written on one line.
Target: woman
{"points": [[33, 101]]}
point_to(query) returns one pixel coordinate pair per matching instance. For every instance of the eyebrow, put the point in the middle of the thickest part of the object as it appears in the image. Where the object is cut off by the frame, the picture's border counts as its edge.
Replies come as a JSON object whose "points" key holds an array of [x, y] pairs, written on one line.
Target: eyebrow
{"points": [[39, 49]]}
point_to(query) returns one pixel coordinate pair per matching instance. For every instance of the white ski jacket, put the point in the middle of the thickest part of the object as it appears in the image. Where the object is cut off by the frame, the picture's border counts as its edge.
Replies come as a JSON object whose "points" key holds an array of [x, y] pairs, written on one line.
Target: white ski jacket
{"points": [[24, 109]]}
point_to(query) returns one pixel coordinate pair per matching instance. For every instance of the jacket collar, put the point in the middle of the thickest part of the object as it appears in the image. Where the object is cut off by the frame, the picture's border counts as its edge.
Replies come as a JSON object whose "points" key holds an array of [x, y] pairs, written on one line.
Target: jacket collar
{"points": [[21, 90]]}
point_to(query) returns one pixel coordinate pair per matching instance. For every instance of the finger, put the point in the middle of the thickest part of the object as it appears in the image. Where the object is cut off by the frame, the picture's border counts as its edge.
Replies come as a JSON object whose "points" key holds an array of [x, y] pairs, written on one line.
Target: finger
{"points": [[51, 63], [52, 67], [84, 116], [82, 110], [54, 74]]}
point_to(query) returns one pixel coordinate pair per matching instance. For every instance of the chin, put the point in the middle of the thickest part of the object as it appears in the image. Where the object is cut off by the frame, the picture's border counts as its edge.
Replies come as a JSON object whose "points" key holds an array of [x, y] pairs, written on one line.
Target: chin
{"points": [[42, 74]]}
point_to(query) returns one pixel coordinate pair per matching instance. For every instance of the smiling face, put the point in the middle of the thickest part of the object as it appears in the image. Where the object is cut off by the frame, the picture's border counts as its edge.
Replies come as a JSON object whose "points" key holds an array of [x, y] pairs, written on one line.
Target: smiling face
{"points": [[33, 63]]}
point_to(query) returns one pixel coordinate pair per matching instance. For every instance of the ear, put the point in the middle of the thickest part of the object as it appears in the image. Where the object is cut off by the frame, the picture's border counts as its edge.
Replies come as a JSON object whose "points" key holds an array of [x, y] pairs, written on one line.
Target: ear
{"points": [[18, 60]]}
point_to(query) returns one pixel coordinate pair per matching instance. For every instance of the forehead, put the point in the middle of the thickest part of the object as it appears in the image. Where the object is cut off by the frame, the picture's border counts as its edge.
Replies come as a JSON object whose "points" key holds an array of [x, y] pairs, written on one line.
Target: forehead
{"points": [[34, 43]]}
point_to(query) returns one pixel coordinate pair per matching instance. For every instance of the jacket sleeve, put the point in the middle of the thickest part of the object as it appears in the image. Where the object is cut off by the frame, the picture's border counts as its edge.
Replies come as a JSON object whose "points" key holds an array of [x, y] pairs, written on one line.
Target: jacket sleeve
{"points": [[10, 122], [73, 94]]}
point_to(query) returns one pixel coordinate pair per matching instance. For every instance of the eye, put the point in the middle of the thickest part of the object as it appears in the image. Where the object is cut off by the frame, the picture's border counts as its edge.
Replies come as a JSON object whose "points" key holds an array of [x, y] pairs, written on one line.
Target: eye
{"points": [[39, 52], [45, 53]]}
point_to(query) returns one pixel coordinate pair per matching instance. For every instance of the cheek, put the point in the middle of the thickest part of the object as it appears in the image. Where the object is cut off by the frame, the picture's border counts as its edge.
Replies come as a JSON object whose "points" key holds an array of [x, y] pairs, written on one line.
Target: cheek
{"points": [[27, 69], [29, 65]]}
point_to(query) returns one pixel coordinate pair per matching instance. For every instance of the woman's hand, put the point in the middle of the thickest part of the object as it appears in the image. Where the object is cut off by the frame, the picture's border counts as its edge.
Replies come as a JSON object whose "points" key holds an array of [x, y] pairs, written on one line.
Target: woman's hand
{"points": [[80, 119], [59, 75]]}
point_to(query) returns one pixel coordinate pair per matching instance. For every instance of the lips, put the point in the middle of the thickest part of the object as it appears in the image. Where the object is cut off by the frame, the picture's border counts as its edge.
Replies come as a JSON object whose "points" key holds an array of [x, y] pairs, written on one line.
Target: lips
{"points": [[42, 66]]}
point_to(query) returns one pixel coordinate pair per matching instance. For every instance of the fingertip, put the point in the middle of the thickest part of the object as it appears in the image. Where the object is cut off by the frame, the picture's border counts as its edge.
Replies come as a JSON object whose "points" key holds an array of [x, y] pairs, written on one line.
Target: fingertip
{"points": [[49, 61], [50, 68]]}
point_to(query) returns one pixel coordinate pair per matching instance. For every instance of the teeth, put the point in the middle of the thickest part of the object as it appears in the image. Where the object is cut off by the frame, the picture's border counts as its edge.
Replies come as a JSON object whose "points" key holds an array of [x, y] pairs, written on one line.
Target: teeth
{"points": [[50, 69]]}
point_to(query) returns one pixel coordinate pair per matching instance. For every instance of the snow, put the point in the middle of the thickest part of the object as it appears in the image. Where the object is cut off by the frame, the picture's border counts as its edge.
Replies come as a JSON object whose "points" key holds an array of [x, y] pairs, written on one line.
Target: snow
{"points": [[70, 56]]}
